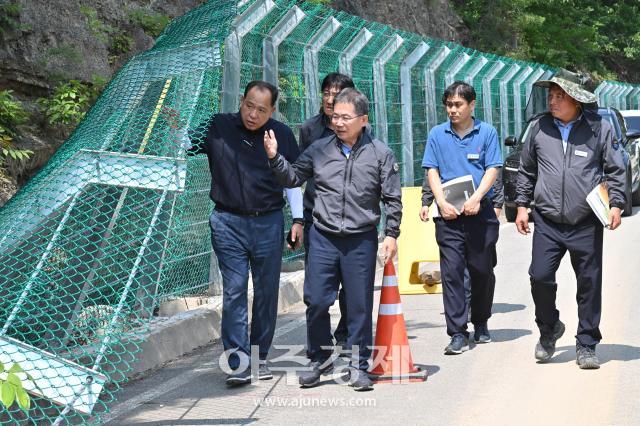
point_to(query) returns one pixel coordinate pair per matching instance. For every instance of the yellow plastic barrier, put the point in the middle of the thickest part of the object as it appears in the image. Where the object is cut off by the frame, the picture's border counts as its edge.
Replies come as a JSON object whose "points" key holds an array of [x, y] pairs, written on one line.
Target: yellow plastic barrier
{"points": [[416, 244]]}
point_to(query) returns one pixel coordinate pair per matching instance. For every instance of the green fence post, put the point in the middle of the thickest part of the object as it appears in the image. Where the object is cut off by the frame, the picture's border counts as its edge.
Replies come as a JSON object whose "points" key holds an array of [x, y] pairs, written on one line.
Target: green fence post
{"points": [[407, 109], [379, 87], [311, 72], [233, 51]]}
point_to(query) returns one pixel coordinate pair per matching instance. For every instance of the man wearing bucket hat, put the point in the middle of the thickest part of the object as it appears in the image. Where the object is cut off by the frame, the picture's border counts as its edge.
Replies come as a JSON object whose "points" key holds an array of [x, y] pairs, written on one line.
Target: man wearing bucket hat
{"points": [[567, 152]]}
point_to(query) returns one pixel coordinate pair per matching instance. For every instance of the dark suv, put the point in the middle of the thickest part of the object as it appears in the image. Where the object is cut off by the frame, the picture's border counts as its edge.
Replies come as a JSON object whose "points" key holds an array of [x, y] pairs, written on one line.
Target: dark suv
{"points": [[629, 140]]}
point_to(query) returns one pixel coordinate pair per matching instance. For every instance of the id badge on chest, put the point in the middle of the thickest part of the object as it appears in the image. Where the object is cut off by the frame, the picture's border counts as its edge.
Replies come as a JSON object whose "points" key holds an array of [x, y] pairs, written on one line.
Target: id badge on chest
{"points": [[472, 157]]}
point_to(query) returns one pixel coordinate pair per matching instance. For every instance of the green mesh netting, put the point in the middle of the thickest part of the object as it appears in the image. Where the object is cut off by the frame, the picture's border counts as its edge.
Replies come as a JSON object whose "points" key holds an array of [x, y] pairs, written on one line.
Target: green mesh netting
{"points": [[117, 222]]}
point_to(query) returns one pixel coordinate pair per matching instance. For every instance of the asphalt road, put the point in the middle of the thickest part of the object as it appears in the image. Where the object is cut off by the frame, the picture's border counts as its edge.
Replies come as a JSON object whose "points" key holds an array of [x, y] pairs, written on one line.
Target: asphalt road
{"points": [[497, 383]]}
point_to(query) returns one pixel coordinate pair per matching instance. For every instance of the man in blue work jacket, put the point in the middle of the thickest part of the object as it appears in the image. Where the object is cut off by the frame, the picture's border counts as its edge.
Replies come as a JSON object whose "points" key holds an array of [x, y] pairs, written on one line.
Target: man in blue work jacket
{"points": [[247, 222], [459, 147]]}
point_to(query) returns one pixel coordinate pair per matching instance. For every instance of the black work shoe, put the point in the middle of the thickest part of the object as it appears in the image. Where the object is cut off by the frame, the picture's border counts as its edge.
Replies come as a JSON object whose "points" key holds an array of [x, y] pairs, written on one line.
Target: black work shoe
{"points": [[481, 334], [263, 371], [239, 378], [546, 346], [586, 357], [359, 380], [459, 343], [309, 379]]}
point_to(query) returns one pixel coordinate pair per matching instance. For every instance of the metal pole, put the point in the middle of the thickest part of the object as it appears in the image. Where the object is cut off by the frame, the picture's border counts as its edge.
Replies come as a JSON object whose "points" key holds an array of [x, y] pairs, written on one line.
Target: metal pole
{"points": [[310, 62], [379, 89], [407, 110], [233, 51], [351, 51]]}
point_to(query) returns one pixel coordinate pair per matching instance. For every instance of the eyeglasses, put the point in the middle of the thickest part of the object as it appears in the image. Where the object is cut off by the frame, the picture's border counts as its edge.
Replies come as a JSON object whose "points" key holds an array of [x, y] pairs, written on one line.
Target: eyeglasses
{"points": [[345, 118], [329, 94]]}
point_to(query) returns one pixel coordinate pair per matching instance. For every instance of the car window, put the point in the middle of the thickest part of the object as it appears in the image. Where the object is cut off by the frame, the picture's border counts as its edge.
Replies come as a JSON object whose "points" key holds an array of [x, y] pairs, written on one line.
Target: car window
{"points": [[620, 120], [614, 123], [633, 123]]}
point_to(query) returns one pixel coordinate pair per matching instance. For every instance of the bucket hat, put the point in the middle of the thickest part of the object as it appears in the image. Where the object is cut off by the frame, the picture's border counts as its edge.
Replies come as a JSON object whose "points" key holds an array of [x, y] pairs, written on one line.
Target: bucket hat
{"points": [[572, 83]]}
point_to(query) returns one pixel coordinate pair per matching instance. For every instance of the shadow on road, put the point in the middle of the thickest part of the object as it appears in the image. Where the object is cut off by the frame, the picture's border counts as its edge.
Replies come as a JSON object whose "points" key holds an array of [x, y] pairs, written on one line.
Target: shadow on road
{"points": [[606, 352], [418, 325], [503, 308], [431, 369], [508, 334]]}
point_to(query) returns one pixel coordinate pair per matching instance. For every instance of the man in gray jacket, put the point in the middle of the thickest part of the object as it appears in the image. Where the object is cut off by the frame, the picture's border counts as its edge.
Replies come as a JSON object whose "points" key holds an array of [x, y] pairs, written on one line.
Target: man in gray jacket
{"points": [[352, 173], [567, 153], [315, 128]]}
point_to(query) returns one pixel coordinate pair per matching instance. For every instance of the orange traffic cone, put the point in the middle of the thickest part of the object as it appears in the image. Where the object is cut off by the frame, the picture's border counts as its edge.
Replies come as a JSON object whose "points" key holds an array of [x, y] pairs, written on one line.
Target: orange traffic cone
{"points": [[391, 355]]}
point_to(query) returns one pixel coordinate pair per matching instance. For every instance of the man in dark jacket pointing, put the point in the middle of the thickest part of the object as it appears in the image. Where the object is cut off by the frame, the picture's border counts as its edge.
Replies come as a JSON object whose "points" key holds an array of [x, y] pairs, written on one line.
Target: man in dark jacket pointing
{"points": [[352, 173], [567, 153]]}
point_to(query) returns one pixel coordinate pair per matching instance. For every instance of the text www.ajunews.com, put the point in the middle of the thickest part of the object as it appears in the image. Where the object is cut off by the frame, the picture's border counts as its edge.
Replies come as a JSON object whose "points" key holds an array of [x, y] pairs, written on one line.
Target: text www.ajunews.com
{"points": [[304, 402]]}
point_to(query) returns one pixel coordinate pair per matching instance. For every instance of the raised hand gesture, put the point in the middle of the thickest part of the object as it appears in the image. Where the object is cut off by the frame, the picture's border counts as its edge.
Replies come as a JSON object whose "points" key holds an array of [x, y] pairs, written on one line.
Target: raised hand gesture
{"points": [[270, 143]]}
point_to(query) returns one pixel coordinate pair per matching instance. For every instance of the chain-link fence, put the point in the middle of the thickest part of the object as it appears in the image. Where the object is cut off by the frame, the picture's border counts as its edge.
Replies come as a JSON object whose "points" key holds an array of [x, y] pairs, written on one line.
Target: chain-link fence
{"points": [[117, 221], [618, 95]]}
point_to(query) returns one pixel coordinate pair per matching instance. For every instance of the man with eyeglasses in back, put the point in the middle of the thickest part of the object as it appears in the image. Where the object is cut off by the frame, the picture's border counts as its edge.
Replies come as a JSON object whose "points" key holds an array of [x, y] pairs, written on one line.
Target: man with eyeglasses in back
{"points": [[317, 127], [353, 173]]}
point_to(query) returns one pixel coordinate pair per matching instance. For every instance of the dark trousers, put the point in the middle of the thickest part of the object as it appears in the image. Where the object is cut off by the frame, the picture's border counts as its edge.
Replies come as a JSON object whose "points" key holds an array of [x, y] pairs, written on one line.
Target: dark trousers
{"points": [[550, 243], [341, 329], [350, 260], [467, 242], [240, 243]]}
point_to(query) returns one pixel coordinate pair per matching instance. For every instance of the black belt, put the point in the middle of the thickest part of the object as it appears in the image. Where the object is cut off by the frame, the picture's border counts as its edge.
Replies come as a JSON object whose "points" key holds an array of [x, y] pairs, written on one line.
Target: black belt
{"points": [[251, 213]]}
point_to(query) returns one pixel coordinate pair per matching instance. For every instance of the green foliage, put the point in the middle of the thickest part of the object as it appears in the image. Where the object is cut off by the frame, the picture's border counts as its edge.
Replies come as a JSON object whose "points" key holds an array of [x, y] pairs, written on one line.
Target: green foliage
{"points": [[7, 150], [151, 22], [291, 86], [11, 112], [598, 36], [11, 115], [11, 387], [68, 103], [120, 44], [9, 12], [98, 28], [66, 51]]}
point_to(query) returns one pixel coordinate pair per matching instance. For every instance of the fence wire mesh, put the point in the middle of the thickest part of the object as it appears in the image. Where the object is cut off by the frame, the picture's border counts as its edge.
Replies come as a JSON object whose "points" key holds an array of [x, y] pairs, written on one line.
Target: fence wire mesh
{"points": [[117, 222]]}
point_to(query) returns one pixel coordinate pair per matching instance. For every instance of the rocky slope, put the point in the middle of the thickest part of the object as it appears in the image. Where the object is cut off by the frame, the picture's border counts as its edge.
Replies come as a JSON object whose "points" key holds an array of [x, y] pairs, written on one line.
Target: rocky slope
{"points": [[46, 43], [430, 18]]}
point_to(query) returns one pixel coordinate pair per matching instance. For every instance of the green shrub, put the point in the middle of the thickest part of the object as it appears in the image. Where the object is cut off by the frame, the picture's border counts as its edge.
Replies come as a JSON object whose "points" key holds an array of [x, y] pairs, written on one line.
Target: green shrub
{"points": [[11, 115], [11, 112], [7, 150], [11, 388], [120, 44], [68, 103], [66, 51], [98, 28], [151, 22], [9, 12]]}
